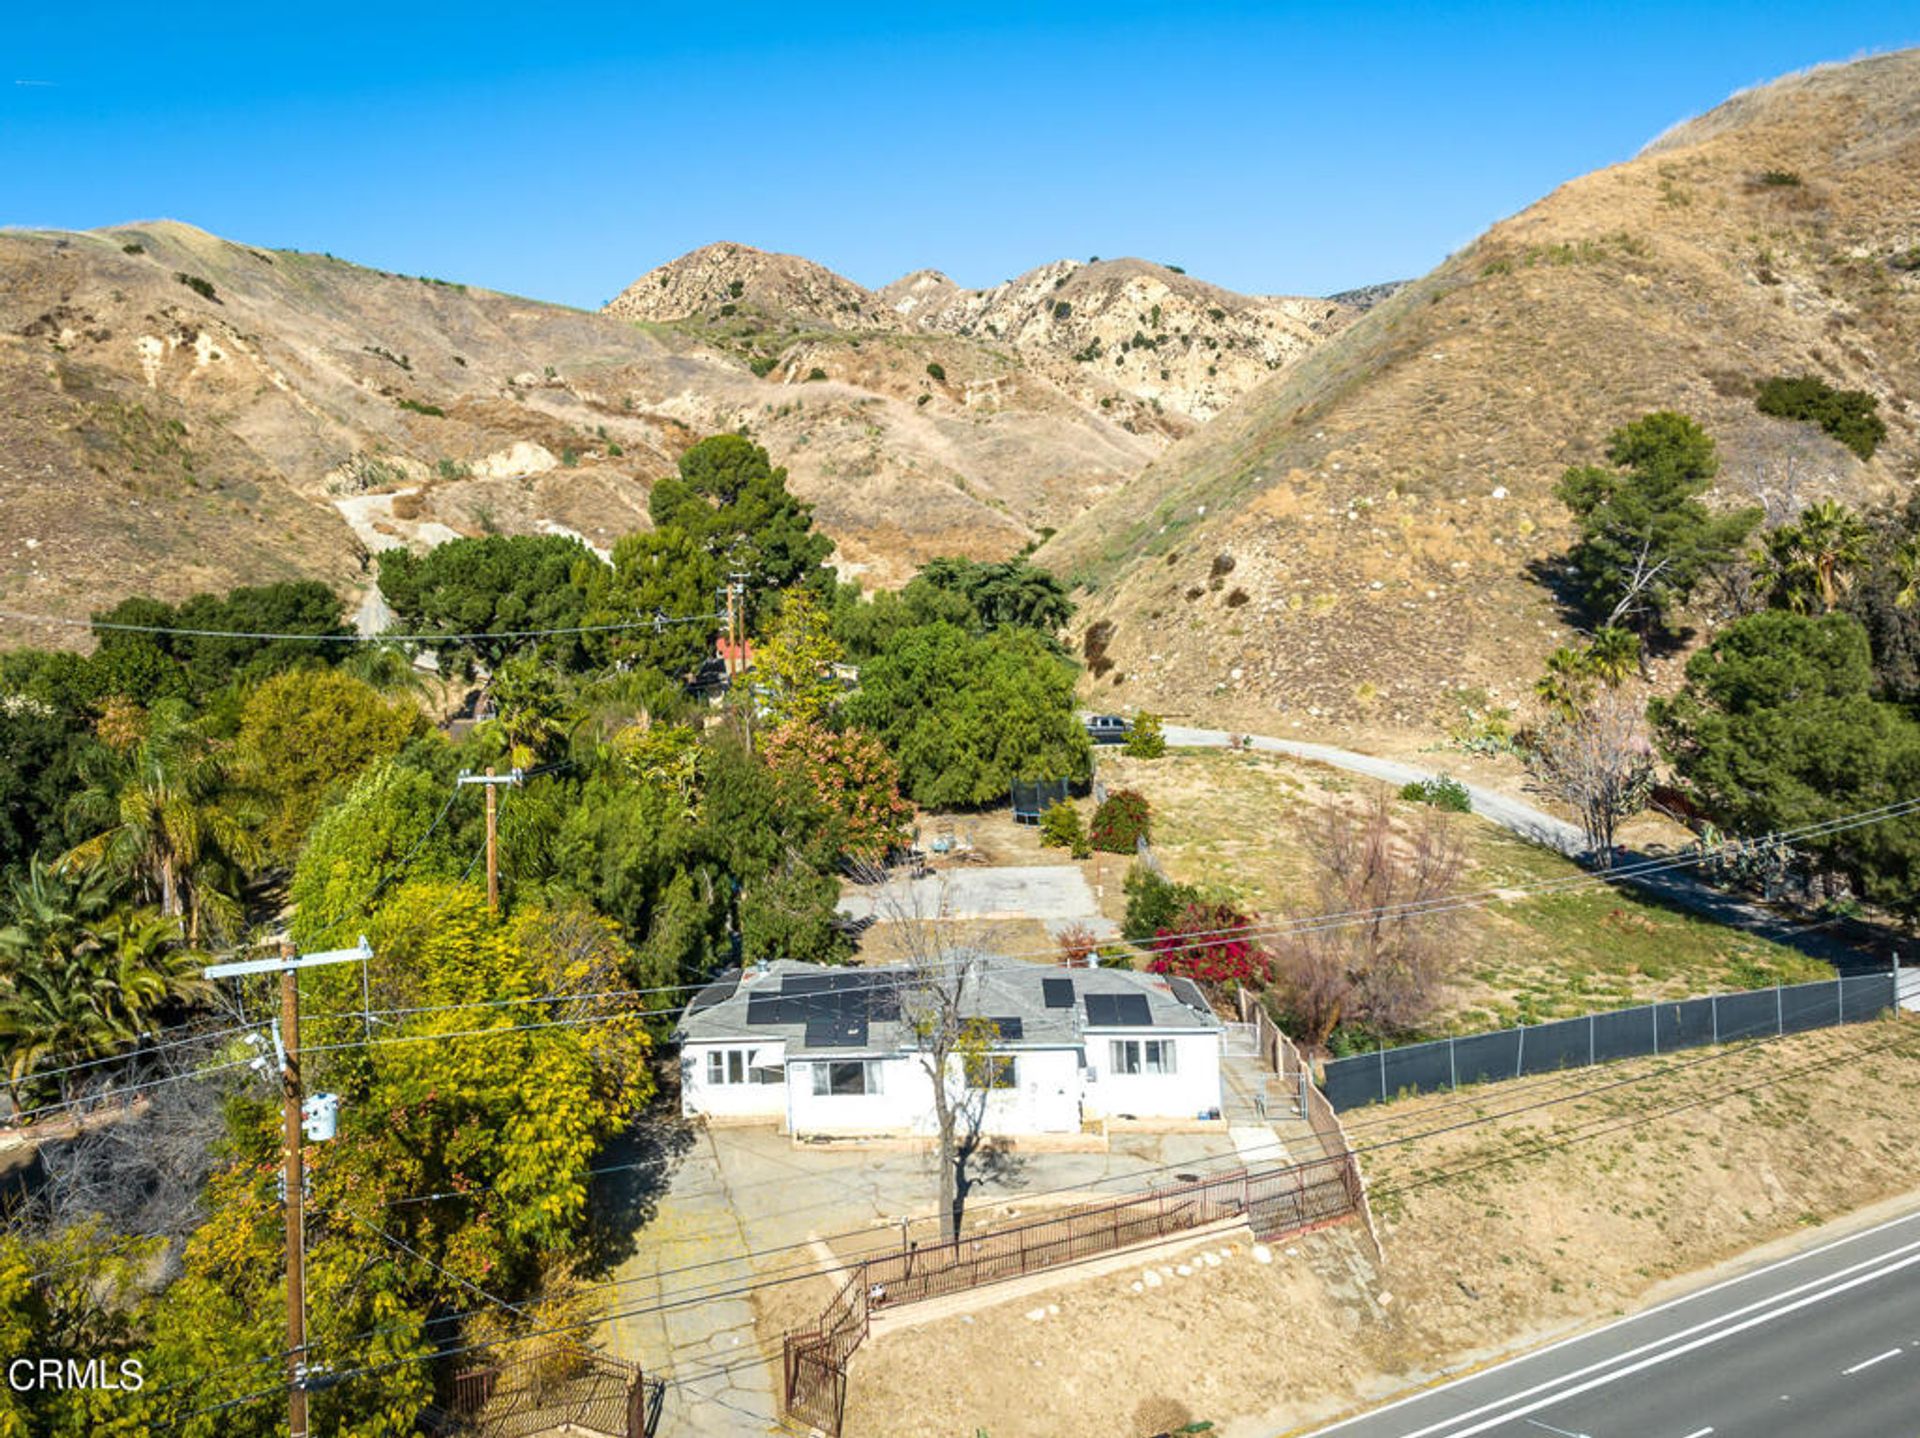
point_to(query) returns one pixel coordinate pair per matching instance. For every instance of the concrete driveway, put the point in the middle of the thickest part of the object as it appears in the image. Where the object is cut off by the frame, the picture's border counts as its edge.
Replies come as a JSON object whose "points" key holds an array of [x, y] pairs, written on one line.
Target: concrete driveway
{"points": [[1055, 894]]}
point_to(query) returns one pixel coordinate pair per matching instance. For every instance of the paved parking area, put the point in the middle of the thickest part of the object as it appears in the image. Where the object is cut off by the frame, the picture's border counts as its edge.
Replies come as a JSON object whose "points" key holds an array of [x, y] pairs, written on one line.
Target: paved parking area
{"points": [[1056, 894], [710, 1198]]}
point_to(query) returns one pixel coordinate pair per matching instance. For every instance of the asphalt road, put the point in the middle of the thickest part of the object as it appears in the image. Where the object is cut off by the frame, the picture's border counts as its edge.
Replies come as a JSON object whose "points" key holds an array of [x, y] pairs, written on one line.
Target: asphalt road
{"points": [[1826, 1343]]}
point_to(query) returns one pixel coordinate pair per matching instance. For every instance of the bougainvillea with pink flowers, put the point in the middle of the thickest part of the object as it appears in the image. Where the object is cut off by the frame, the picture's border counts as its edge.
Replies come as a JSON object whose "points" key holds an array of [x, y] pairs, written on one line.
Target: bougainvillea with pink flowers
{"points": [[1209, 943]]}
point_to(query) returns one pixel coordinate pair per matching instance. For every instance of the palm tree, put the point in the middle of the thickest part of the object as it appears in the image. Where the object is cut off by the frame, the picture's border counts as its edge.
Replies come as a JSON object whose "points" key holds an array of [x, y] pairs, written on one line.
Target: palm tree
{"points": [[1906, 565], [1816, 556], [1613, 655], [1567, 683], [171, 825], [77, 980]]}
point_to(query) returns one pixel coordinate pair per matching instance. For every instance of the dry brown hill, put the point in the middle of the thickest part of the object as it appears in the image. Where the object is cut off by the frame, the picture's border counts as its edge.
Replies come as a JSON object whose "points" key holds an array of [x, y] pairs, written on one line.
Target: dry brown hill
{"points": [[1148, 346], [180, 412], [723, 278], [1356, 540], [1148, 329]]}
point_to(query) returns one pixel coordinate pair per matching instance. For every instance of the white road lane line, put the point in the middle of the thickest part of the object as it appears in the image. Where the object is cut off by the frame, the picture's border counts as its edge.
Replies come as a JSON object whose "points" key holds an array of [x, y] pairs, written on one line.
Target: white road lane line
{"points": [[1423, 1395], [1563, 1432], [1877, 1358], [1560, 1380], [1717, 1336], [1700, 1433]]}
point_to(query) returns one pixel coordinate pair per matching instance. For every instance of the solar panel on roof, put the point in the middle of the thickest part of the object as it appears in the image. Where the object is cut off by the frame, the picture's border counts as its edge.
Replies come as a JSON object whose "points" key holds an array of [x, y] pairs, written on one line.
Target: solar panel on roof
{"points": [[836, 1033], [718, 992], [1107, 1011], [1058, 993], [763, 1009]]}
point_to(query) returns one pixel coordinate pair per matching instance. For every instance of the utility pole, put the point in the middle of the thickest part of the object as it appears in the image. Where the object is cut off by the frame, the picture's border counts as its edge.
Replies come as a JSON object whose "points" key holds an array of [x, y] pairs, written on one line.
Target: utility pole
{"points": [[292, 1103], [492, 783]]}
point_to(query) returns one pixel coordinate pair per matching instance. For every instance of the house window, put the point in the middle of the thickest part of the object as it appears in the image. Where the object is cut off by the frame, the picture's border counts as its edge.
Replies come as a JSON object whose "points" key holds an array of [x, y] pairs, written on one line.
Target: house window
{"points": [[846, 1077], [991, 1071], [1153, 1056], [726, 1066]]}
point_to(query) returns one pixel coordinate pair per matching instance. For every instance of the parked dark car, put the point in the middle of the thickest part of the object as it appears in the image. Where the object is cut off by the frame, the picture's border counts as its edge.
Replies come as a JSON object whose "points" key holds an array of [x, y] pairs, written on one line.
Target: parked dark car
{"points": [[1108, 728]]}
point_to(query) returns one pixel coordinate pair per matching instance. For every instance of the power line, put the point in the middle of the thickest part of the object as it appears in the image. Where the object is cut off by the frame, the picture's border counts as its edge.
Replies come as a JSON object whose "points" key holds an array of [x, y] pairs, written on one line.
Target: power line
{"points": [[656, 622]]}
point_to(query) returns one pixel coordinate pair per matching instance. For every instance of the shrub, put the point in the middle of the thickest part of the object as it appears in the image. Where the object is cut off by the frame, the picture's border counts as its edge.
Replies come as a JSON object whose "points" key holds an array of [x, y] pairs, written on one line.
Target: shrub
{"points": [[816, 373], [1062, 310], [133, 248], [1849, 415], [1121, 823], [1207, 942], [431, 410], [1153, 902], [938, 371], [1779, 178], [1237, 597], [762, 365], [1060, 828], [1147, 739], [1078, 945], [1094, 647], [1443, 793], [200, 287]]}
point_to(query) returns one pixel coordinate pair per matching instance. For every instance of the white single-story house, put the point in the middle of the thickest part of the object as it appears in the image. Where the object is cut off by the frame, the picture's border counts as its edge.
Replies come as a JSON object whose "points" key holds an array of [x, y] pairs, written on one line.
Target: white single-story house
{"points": [[825, 1051]]}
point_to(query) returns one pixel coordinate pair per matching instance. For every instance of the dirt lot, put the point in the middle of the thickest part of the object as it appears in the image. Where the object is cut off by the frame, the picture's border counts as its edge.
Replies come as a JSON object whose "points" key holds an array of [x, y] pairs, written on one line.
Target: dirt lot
{"points": [[1506, 1233], [1241, 821]]}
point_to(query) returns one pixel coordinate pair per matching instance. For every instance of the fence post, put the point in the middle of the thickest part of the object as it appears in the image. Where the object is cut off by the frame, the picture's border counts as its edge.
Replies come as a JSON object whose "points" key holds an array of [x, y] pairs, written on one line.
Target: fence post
{"points": [[1301, 1098], [1383, 1071], [1716, 1018], [1841, 1003], [1453, 1067], [1520, 1052], [1653, 1012], [1590, 1048], [1779, 1013]]}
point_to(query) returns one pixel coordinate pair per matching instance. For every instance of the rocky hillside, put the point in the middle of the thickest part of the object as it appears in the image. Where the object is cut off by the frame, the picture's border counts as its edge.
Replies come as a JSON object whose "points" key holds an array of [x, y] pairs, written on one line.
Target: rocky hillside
{"points": [[179, 412], [1364, 538], [724, 279], [1148, 346], [1150, 330]]}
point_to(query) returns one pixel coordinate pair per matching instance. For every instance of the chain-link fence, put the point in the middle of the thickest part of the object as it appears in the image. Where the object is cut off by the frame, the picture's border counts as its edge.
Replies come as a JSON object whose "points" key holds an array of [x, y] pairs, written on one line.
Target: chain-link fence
{"points": [[1647, 1030]]}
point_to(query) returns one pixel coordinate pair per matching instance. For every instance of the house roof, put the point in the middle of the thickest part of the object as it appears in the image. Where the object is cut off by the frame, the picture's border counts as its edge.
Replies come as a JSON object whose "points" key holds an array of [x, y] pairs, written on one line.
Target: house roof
{"points": [[818, 1010]]}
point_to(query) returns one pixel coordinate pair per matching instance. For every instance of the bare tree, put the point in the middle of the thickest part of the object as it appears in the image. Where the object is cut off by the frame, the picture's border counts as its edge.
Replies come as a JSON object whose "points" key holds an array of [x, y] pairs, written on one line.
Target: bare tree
{"points": [[938, 993], [1389, 949], [1597, 761]]}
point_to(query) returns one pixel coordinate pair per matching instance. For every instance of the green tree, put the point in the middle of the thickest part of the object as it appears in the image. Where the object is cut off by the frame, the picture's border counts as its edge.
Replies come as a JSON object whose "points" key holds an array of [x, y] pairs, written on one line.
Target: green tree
{"points": [[1777, 728], [850, 777], [1147, 738], [1851, 416], [1006, 592], [1646, 540], [164, 819], [396, 819], [793, 666], [965, 717], [78, 977], [530, 709], [499, 587], [659, 579], [305, 736], [734, 504], [1815, 558], [1060, 828]]}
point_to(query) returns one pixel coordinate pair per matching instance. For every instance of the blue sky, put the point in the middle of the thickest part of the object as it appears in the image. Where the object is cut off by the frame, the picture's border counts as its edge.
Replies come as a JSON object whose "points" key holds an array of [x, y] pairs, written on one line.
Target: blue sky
{"points": [[559, 151]]}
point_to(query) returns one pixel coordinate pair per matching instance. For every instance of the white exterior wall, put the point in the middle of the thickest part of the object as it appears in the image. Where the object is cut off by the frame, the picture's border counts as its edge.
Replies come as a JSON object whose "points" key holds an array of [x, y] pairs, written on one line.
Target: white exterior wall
{"points": [[1045, 1098], [729, 1100], [904, 1103], [1193, 1089]]}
